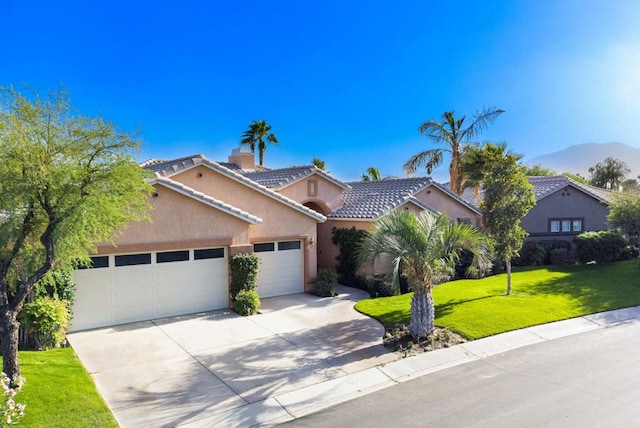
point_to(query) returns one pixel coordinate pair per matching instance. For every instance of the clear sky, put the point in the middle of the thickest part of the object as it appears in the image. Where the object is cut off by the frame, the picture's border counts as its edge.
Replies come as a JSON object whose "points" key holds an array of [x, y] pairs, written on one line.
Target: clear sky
{"points": [[346, 81]]}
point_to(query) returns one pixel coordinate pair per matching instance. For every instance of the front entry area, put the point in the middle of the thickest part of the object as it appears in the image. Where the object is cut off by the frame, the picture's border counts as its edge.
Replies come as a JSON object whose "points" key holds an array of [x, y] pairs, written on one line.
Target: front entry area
{"points": [[281, 268], [124, 288]]}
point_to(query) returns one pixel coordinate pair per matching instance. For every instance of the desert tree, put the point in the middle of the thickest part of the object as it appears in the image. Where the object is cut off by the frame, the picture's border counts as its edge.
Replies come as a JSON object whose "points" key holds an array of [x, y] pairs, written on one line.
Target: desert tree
{"points": [[508, 196], [68, 182]]}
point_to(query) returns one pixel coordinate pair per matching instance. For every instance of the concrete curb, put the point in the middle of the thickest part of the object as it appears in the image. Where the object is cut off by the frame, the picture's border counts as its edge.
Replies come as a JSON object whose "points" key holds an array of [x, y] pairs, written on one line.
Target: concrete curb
{"points": [[295, 404]]}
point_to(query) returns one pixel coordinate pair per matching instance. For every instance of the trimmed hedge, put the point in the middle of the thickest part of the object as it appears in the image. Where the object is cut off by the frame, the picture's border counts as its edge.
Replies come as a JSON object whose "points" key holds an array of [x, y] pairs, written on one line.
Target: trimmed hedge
{"points": [[244, 273], [543, 252], [348, 242], [325, 283], [601, 247], [244, 283]]}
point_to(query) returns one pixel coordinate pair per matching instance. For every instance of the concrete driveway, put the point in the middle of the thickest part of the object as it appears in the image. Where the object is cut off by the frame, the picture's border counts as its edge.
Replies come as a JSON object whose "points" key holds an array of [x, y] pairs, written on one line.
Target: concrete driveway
{"points": [[178, 370]]}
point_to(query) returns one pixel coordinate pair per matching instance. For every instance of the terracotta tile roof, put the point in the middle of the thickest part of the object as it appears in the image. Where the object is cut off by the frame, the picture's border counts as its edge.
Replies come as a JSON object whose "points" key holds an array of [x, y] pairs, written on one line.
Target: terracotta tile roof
{"points": [[372, 199], [208, 200], [168, 168], [283, 177], [545, 186]]}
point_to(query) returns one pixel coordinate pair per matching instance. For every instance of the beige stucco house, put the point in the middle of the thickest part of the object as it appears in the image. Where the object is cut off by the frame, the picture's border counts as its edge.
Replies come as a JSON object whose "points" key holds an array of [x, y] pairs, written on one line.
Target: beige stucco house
{"points": [[205, 212]]}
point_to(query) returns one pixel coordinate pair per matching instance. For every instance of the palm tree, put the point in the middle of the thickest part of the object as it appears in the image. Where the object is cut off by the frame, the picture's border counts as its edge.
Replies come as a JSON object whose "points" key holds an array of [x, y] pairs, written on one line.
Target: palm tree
{"points": [[256, 134], [372, 174], [426, 248], [319, 163], [451, 132]]}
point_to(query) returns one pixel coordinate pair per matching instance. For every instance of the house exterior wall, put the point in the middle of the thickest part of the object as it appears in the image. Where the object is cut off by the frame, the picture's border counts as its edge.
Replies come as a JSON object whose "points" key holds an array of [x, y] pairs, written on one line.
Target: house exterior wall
{"points": [[568, 203], [440, 201], [280, 222], [315, 189], [179, 222]]}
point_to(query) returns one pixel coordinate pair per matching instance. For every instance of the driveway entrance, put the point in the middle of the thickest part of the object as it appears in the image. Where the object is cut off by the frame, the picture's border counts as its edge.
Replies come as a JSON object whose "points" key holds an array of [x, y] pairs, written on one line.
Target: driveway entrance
{"points": [[177, 370]]}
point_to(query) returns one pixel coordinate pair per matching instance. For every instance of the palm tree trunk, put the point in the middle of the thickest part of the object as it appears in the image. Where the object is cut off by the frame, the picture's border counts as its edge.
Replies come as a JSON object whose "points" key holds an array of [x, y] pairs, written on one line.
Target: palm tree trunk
{"points": [[422, 313], [508, 264]]}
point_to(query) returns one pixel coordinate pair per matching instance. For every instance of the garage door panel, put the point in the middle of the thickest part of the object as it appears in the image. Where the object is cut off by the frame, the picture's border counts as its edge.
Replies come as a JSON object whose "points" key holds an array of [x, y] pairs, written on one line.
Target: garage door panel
{"points": [[120, 294], [280, 271]]}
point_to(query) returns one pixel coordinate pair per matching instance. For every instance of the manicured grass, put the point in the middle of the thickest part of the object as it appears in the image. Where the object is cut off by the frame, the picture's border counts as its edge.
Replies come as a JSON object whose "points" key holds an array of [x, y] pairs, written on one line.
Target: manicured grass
{"points": [[479, 308], [59, 392]]}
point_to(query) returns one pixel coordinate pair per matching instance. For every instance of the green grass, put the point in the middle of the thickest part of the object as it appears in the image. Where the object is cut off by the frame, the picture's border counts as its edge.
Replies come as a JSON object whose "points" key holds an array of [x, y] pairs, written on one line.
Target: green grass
{"points": [[479, 308], [59, 392]]}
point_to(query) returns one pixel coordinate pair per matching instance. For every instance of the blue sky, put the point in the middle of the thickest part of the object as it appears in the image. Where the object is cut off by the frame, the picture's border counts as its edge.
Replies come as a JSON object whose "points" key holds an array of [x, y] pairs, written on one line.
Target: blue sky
{"points": [[347, 81]]}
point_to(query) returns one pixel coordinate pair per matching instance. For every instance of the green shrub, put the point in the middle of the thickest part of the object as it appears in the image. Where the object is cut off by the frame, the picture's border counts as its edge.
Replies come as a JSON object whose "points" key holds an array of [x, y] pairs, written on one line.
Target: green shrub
{"points": [[46, 320], [244, 273], [325, 283], [532, 253], [57, 284], [348, 242], [558, 256], [247, 302], [601, 247]]}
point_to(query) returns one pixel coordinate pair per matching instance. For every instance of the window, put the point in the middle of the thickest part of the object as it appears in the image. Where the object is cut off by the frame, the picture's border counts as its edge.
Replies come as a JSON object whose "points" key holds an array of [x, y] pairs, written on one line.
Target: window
{"points": [[133, 259], [577, 225], [172, 256], [208, 253], [262, 248], [288, 245], [465, 220], [566, 225], [97, 262]]}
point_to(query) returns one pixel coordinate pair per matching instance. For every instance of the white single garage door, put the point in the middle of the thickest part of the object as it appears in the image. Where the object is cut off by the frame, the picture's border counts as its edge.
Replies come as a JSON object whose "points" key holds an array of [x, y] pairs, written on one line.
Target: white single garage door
{"points": [[126, 288], [281, 268]]}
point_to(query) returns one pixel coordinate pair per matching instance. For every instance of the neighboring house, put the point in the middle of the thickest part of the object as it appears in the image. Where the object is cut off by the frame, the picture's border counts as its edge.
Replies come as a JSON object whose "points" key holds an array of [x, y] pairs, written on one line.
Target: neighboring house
{"points": [[366, 201], [564, 208], [205, 212]]}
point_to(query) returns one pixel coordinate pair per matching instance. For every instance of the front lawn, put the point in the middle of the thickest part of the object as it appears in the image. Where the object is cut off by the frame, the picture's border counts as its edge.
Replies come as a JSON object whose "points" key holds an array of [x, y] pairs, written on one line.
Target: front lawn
{"points": [[479, 308], [59, 392]]}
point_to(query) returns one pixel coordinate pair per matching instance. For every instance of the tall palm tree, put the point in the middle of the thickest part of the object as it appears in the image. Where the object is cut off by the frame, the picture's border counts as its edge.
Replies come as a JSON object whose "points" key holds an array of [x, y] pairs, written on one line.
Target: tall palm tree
{"points": [[425, 247], [372, 174], [256, 134], [451, 132], [319, 163]]}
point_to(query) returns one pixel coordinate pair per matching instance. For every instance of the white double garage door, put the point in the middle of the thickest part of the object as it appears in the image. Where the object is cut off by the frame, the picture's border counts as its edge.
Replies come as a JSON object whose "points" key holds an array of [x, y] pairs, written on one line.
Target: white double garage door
{"points": [[125, 288]]}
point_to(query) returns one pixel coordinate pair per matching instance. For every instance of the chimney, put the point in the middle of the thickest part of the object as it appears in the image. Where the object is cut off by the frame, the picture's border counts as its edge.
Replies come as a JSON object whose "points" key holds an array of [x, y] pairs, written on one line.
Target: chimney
{"points": [[243, 158]]}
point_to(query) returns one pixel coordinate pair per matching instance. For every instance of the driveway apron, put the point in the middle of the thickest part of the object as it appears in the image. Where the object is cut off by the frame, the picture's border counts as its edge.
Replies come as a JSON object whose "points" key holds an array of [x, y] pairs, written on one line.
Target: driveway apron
{"points": [[182, 369]]}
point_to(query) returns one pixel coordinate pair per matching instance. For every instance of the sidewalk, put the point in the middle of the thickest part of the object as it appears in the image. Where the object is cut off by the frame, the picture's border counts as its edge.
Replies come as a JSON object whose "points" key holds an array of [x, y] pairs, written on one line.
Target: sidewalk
{"points": [[295, 404]]}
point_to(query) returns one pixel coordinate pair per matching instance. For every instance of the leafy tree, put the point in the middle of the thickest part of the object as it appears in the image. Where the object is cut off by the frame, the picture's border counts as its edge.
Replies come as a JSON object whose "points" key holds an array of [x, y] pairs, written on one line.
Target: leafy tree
{"points": [[452, 133], [319, 163], [68, 182], [631, 185], [539, 171], [609, 174], [424, 248], [624, 214], [508, 196], [255, 136], [372, 174]]}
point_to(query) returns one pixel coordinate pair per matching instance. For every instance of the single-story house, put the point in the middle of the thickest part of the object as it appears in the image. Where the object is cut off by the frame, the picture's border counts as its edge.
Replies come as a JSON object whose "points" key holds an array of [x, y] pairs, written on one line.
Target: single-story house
{"points": [[205, 212], [564, 208]]}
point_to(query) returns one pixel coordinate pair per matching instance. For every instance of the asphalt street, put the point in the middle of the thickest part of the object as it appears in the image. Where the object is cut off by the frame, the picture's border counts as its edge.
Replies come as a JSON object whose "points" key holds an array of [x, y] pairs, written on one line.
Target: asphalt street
{"points": [[586, 380]]}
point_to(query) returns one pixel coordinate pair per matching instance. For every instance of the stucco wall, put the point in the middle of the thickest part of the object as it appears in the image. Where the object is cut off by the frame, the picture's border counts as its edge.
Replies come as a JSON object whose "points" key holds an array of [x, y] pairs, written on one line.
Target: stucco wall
{"points": [[280, 221], [315, 189], [570, 203], [444, 203], [179, 222]]}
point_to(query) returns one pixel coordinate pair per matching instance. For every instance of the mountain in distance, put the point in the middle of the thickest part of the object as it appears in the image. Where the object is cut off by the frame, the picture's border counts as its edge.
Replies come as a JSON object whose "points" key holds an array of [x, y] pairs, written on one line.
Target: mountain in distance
{"points": [[581, 157]]}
